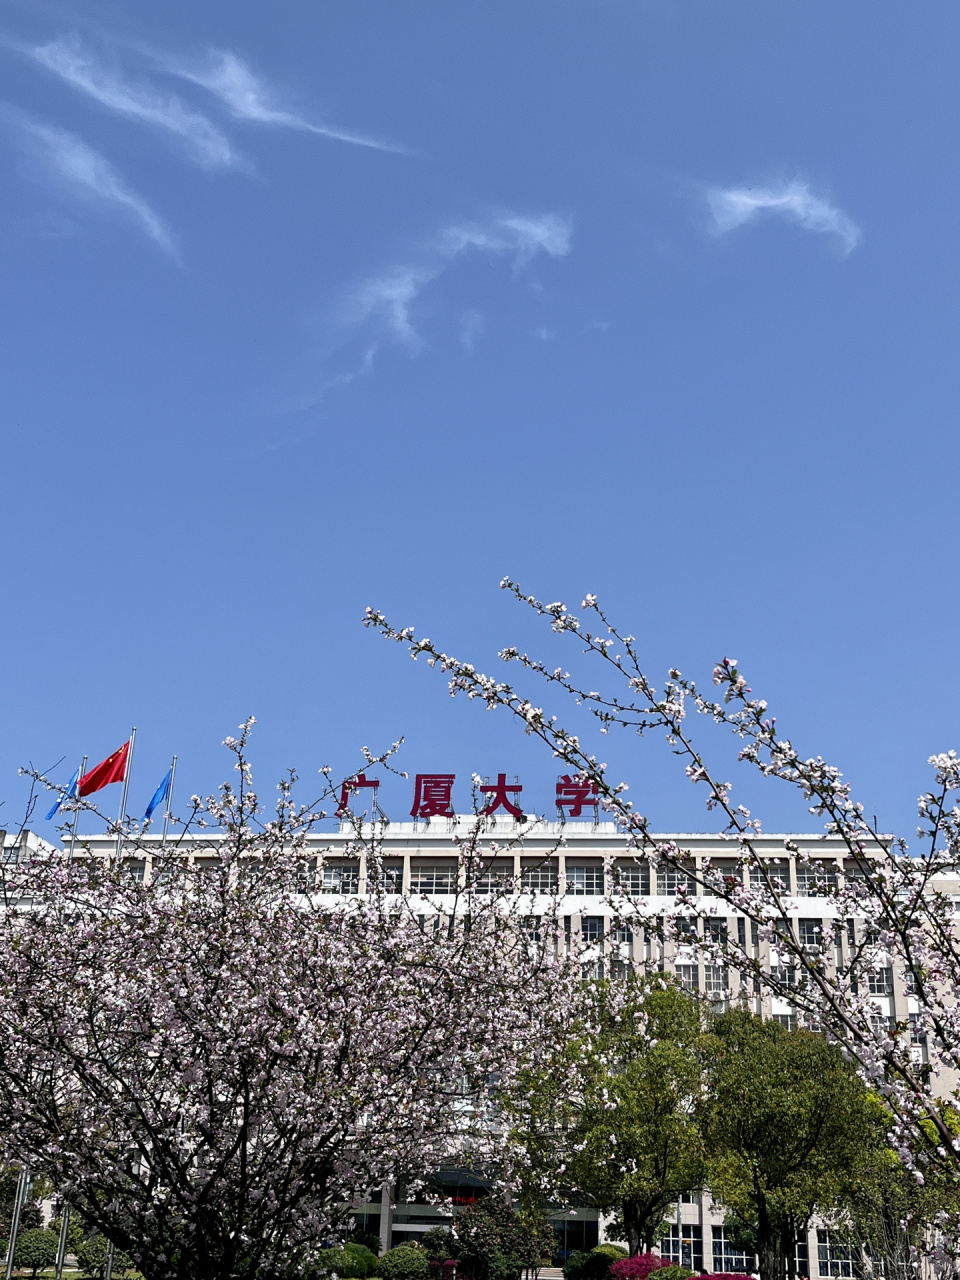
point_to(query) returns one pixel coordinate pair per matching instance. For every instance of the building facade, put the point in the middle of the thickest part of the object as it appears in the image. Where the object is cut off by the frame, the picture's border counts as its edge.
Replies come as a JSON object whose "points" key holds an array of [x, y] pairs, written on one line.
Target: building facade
{"points": [[581, 868]]}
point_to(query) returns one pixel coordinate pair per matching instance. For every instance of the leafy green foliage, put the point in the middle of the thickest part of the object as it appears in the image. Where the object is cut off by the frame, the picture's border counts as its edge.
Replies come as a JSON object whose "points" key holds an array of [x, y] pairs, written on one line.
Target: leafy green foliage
{"points": [[36, 1249], [405, 1262], [786, 1125], [353, 1262], [31, 1215], [439, 1244], [92, 1256], [885, 1212], [369, 1239], [592, 1265], [495, 1243], [615, 1116], [366, 1258]]}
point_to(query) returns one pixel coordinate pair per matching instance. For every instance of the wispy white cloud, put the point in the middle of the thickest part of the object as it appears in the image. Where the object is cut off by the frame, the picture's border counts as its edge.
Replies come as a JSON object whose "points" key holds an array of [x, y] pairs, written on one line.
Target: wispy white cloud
{"points": [[68, 59], [248, 98], [387, 298], [732, 207], [87, 173], [379, 310], [524, 237], [471, 329]]}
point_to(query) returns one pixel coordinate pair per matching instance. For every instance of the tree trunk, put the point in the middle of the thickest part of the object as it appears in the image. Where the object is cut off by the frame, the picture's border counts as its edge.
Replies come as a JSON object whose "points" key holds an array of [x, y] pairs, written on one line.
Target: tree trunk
{"points": [[631, 1226], [788, 1247], [770, 1257]]}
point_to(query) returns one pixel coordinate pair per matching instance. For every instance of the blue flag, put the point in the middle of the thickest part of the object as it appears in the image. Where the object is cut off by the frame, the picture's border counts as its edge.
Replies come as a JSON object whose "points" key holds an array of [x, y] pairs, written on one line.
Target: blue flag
{"points": [[69, 794], [162, 792]]}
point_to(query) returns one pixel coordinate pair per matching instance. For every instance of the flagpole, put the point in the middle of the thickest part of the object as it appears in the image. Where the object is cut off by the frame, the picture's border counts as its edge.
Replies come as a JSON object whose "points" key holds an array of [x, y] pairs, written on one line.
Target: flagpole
{"points": [[76, 816], [126, 788], [15, 1221], [169, 805], [62, 1241]]}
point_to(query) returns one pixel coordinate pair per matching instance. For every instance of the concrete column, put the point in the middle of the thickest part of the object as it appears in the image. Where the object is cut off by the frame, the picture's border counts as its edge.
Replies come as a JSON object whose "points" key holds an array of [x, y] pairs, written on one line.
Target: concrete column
{"points": [[386, 1194]]}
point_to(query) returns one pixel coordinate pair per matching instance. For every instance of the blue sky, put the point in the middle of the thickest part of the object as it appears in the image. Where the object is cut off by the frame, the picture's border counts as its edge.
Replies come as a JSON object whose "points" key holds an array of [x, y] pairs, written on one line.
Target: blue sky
{"points": [[308, 306]]}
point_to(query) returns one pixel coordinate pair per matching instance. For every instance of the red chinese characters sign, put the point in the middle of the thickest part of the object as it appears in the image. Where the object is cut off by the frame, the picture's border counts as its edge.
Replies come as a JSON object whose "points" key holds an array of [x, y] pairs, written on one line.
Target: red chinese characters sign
{"points": [[573, 793], [355, 784], [499, 797], [433, 795]]}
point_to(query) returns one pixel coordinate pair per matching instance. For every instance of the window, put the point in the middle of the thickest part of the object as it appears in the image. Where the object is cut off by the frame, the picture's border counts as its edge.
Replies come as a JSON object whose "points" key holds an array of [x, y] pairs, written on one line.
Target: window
{"points": [[584, 880], [671, 881], [685, 927], [427, 880], [622, 933], [490, 881], [784, 974], [340, 879], [306, 877], [788, 1020], [715, 930], [727, 1257], [880, 982], [882, 1024], [532, 927], [539, 879], [810, 933], [134, 870], [714, 979], [392, 877], [776, 873], [782, 929], [683, 1245], [688, 976], [815, 879], [592, 968], [916, 1037], [634, 881], [619, 969], [832, 1258], [803, 1256], [591, 929]]}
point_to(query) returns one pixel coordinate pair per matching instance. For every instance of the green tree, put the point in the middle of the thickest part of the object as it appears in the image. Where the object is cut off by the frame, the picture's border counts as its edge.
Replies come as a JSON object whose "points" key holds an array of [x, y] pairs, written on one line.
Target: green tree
{"points": [[439, 1244], [405, 1262], [496, 1243], [614, 1117], [787, 1126], [885, 1213], [92, 1255], [36, 1250]]}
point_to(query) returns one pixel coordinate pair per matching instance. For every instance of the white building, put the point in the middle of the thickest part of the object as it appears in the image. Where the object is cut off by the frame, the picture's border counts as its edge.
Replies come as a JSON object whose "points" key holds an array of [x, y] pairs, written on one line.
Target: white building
{"points": [[583, 863]]}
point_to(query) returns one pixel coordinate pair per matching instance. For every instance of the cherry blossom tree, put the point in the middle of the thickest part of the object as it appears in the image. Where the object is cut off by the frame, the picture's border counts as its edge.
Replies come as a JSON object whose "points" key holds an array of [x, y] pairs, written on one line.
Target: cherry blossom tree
{"points": [[212, 1063], [887, 884]]}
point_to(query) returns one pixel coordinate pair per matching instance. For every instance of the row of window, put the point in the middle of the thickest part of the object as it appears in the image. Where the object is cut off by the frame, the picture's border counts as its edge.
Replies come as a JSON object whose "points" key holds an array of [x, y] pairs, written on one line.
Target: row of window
{"points": [[683, 1245], [634, 881], [434, 881]]}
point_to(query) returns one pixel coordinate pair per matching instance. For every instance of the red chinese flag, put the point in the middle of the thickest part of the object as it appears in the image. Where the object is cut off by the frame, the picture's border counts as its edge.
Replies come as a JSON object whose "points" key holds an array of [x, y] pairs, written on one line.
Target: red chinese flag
{"points": [[113, 769]]}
